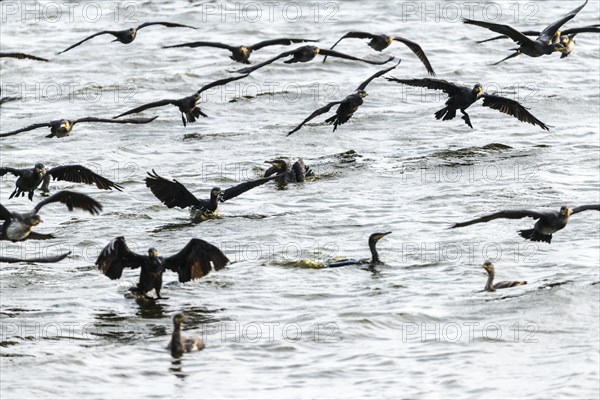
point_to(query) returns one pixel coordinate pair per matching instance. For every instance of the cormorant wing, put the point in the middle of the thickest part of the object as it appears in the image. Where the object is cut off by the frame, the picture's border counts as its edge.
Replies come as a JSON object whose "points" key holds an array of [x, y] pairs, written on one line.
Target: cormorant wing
{"points": [[72, 200], [583, 29], [506, 30], [28, 128], [236, 190], [249, 70], [549, 32], [5, 215], [167, 24], [141, 108], [357, 35], [195, 259], [22, 56], [333, 53], [430, 83], [86, 39], [281, 42], [415, 48], [113, 121], [171, 193], [512, 108], [203, 44], [51, 259], [7, 99], [301, 171], [14, 171], [116, 256], [81, 174], [528, 33], [585, 208], [363, 85], [220, 82], [509, 214], [318, 112]]}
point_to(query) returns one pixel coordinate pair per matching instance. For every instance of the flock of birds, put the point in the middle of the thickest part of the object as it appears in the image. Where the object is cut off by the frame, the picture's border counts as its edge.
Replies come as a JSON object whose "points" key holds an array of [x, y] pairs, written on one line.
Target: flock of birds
{"points": [[199, 257]]}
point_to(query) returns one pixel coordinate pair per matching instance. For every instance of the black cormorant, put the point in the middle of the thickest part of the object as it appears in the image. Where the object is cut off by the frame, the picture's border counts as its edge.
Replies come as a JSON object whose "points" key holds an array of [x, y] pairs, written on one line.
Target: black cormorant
{"points": [[43, 259], [187, 105], [380, 42], [18, 226], [547, 223], [128, 35], [194, 261], [8, 99], [306, 54], [373, 239], [490, 286], [22, 56], [63, 127], [546, 43], [462, 97], [178, 344], [30, 179], [298, 172], [242, 53], [346, 107]]}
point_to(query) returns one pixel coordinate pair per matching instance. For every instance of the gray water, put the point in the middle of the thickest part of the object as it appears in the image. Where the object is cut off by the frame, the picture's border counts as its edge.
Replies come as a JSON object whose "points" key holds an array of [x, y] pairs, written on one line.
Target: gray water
{"points": [[417, 325]]}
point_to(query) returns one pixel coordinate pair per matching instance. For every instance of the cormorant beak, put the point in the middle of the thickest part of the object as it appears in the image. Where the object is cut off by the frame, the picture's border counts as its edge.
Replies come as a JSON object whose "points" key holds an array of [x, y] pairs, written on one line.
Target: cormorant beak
{"points": [[381, 235]]}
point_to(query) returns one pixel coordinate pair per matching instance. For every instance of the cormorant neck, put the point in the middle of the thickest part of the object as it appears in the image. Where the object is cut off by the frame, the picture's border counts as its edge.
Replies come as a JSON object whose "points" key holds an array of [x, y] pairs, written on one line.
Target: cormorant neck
{"points": [[214, 201], [176, 340], [490, 282], [374, 254]]}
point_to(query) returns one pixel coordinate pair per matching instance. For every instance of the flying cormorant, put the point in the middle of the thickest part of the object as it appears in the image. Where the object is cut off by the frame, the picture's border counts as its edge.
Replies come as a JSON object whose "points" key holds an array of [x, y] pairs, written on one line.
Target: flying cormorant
{"points": [[22, 56], [43, 259]]}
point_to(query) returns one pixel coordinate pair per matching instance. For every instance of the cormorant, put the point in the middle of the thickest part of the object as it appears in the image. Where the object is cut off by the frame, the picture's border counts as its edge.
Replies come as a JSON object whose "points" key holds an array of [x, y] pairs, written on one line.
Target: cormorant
{"points": [[63, 127], [546, 43], [242, 53], [18, 226], [43, 259], [346, 107], [187, 105], [22, 56], [174, 194], [490, 286], [178, 344], [30, 179], [380, 42], [297, 173], [128, 35], [194, 261], [306, 54], [8, 99], [462, 97], [547, 223], [373, 239]]}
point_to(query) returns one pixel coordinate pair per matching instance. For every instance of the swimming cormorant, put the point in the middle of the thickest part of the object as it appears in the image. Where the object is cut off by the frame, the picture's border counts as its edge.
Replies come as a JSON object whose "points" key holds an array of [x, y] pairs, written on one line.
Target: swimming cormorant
{"points": [[43, 259], [242, 53], [346, 107], [490, 286], [194, 261], [128, 35], [306, 54], [298, 172], [30, 179], [178, 344], [18, 226], [187, 105], [63, 127], [380, 42], [547, 223], [373, 239], [22, 56], [462, 97], [546, 43]]}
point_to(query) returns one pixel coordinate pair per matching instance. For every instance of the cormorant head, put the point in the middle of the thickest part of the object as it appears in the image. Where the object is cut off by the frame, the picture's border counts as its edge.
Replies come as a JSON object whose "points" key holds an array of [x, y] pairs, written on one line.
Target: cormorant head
{"points": [[152, 252], [560, 47], [488, 266], [315, 50], [39, 168], [376, 237], [244, 50], [565, 211], [362, 94], [389, 39], [478, 89], [65, 125], [215, 192], [178, 318], [280, 164], [34, 220], [196, 97]]}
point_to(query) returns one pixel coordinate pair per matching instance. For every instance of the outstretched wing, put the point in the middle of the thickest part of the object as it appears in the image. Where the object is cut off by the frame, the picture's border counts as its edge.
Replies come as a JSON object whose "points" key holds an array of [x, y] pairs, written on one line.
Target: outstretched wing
{"points": [[236, 190], [249, 70], [113, 121], [15, 172], [4, 214], [154, 104], [86, 39], [512, 108], [51, 259], [171, 193], [430, 83], [116, 256], [583, 29], [27, 128], [549, 32], [202, 44], [318, 112], [220, 82], [22, 56], [81, 174], [415, 48], [528, 33], [72, 200], [278, 42], [363, 85], [357, 35], [585, 208], [167, 24], [508, 214], [333, 53], [196, 260], [506, 30]]}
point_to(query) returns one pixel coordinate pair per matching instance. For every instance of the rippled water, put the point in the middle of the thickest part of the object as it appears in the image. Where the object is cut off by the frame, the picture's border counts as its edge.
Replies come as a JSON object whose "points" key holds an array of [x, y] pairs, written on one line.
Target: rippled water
{"points": [[416, 326]]}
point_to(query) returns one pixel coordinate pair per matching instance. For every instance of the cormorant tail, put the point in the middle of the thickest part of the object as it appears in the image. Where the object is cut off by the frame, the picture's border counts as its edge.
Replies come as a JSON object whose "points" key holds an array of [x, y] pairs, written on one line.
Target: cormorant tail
{"points": [[445, 114], [535, 236]]}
